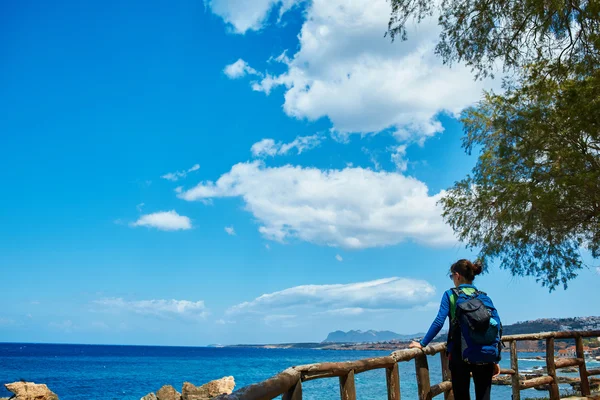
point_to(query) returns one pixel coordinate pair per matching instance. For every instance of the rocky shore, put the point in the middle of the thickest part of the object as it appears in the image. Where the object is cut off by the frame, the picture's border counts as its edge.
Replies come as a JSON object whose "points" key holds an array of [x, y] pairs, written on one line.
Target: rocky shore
{"points": [[210, 390]]}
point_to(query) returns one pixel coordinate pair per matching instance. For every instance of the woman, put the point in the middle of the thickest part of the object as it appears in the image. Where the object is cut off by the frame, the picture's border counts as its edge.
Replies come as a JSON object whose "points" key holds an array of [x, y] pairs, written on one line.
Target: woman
{"points": [[462, 273]]}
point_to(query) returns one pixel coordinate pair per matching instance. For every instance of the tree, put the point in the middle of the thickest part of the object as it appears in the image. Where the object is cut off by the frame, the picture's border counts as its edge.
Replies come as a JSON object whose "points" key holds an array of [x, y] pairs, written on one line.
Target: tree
{"points": [[563, 34], [533, 198]]}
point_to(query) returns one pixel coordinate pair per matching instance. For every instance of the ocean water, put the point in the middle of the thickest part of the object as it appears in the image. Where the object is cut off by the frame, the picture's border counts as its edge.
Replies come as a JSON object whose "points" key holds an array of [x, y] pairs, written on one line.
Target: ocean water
{"points": [[77, 372]]}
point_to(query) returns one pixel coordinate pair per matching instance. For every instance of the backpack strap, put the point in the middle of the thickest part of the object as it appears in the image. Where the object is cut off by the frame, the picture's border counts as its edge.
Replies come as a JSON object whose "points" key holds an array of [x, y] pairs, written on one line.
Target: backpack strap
{"points": [[456, 292], [453, 299]]}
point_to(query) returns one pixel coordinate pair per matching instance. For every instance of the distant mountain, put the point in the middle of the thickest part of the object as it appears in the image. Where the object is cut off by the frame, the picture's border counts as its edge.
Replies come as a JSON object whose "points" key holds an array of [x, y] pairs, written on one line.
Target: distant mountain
{"points": [[534, 326], [553, 324], [369, 336]]}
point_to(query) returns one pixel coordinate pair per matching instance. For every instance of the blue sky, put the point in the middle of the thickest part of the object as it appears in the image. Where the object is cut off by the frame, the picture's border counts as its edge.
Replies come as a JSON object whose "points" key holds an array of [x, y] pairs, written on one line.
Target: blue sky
{"points": [[185, 173]]}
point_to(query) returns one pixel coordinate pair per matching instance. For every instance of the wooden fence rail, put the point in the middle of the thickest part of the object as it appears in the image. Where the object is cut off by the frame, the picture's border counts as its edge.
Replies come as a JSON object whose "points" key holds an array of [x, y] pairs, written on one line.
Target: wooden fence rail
{"points": [[289, 382]]}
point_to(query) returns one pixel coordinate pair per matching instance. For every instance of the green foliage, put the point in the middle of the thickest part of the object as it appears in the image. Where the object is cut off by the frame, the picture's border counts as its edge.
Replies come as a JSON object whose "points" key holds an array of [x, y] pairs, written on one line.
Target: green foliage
{"points": [[533, 199], [513, 33], [534, 196]]}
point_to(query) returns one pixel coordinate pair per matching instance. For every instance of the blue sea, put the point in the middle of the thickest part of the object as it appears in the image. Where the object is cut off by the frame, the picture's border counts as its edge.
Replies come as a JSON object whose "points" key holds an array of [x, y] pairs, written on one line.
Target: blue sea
{"points": [[77, 372]]}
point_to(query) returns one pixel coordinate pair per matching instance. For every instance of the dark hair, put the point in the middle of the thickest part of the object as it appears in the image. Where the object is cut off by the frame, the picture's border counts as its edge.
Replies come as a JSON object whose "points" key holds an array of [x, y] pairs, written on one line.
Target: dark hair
{"points": [[467, 269]]}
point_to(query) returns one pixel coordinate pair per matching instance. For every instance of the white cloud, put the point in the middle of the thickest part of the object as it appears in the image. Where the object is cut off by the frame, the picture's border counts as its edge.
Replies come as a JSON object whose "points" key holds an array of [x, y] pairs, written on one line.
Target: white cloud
{"points": [[265, 147], [399, 157], [244, 15], [164, 220], [239, 69], [350, 208], [268, 147], [346, 70], [177, 175], [372, 157], [159, 308], [339, 258], [230, 230], [354, 298], [224, 322], [140, 207]]}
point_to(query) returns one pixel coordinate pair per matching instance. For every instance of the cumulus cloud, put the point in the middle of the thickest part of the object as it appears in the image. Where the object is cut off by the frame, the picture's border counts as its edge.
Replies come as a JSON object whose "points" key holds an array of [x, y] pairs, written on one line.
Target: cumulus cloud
{"points": [[339, 258], [268, 147], [239, 69], [244, 15], [158, 308], [345, 70], [265, 147], [164, 220], [341, 299], [230, 231], [399, 157], [177, 175], [350, 208]]}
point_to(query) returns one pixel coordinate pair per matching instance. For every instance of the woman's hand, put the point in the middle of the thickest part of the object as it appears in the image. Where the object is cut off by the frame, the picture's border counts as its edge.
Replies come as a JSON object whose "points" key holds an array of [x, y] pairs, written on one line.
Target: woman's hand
{"points": [[415, 345], [496, 370]]}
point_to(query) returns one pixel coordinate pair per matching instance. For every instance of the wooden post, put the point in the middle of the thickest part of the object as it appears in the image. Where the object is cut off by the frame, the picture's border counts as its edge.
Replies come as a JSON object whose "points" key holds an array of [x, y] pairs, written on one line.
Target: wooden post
{"points": [[347, 388], [514, 365], [551, 367], [446, 375], [295, 392], [585, 383], [393, 382], [422, 370]]}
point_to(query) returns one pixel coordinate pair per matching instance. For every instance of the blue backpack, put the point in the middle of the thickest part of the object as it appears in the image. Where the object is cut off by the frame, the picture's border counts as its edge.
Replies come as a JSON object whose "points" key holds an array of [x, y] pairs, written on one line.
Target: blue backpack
{"points": [[475, 319]]}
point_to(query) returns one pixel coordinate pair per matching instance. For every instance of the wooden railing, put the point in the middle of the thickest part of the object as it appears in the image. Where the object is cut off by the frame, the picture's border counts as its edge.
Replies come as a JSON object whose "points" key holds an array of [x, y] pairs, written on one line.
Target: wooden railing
{"points": [[289, 382]]}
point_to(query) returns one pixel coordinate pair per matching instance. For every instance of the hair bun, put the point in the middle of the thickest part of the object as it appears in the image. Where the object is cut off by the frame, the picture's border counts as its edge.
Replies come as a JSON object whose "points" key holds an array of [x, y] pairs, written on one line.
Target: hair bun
{"points": [[477, 267]]}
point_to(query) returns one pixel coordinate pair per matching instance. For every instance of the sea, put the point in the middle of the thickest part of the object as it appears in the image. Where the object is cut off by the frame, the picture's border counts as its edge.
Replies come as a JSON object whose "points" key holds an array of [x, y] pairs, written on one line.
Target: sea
{"points": [[77, 372]]}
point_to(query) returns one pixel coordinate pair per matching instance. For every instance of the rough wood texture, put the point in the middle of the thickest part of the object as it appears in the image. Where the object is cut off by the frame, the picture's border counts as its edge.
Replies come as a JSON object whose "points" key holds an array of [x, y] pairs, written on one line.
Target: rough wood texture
{"points": [[407, 355], [347, 387], [268, 389], [333, 369], [295, 393], [592, 372], [514, 365], [446, 377], [392, 377], [568, 362], [289, 383], [546, 335], [441, 388], [585, 383], [423, 384], [508, 371], [553, 391], [542, 380]]}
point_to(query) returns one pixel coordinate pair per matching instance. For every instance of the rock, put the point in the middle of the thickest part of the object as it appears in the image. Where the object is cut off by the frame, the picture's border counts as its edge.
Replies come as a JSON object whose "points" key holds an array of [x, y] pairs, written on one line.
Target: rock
{"points": [[168, 392], [30, 391], [149, 396], [208, 391]]}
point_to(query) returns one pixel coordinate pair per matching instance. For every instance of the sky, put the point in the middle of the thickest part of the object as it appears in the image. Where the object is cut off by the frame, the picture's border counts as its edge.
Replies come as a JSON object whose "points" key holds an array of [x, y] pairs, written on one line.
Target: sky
{"points": [[230, 171]]}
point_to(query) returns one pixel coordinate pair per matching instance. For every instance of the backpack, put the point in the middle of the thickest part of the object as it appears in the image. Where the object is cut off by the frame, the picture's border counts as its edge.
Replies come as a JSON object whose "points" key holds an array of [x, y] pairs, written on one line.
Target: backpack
{"points": [[475, 319]]}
